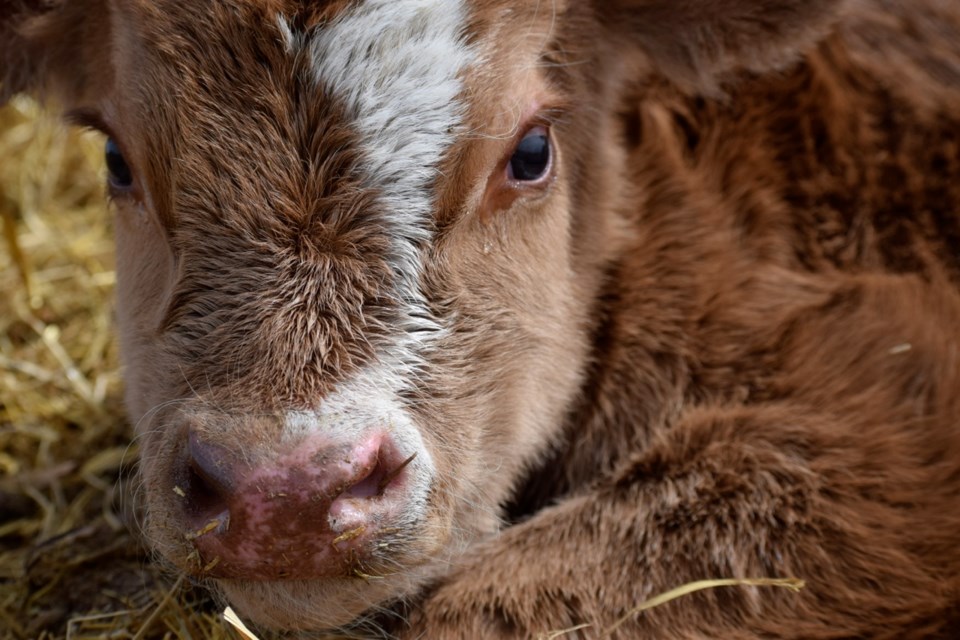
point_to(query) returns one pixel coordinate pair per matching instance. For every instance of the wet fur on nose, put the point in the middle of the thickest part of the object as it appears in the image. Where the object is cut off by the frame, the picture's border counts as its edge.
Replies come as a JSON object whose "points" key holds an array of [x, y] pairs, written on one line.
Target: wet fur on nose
{"points": [[305, 513]]}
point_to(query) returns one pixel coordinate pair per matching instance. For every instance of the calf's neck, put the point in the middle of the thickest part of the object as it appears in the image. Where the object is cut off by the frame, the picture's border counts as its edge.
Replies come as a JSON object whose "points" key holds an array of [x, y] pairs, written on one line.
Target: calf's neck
{"points": [[487, 318]]}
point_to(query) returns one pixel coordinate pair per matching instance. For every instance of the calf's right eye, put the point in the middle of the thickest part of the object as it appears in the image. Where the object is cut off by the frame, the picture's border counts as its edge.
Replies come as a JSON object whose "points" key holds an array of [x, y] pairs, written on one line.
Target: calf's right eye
{"points": [[531, 158], [120, 175]]}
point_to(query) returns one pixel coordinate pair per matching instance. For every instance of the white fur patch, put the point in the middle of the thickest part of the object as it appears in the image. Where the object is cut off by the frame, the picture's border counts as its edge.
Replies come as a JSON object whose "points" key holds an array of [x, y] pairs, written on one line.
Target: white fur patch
{"points": [[291, 42], [397, 65]]}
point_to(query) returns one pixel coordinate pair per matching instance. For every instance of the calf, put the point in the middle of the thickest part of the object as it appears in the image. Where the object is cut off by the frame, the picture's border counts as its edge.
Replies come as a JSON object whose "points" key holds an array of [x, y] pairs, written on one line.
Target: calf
{"points": [[486, 318]]}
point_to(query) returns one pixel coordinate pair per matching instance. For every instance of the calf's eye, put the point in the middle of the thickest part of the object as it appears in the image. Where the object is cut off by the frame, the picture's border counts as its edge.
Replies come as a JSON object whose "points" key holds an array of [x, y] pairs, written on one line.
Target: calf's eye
{"points": [[531, 159], [120, 175]]}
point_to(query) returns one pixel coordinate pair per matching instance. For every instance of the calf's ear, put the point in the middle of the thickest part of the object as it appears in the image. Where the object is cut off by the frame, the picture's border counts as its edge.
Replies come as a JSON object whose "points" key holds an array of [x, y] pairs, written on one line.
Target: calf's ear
{"points": [[53, 48], [694, 42]]}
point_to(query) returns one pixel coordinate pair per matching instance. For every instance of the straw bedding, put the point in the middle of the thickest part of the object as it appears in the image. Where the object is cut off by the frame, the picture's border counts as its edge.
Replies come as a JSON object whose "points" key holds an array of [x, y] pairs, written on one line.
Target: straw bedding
{"points": [[68, 566]]}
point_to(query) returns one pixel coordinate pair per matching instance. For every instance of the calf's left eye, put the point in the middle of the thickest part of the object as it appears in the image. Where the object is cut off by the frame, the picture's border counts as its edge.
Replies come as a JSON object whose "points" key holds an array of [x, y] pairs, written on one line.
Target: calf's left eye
{"points": [[121, 177], [532, 157]]}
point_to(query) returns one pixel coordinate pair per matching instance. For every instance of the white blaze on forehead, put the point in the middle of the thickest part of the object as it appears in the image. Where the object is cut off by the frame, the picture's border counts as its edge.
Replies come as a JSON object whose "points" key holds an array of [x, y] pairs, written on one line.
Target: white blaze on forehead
{"points": [[397, 64]]}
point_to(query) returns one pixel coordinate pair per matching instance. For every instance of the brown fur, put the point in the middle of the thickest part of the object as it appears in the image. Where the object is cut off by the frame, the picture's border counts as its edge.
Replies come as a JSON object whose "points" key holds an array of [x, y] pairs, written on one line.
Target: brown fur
{"points": [[724, 343]]}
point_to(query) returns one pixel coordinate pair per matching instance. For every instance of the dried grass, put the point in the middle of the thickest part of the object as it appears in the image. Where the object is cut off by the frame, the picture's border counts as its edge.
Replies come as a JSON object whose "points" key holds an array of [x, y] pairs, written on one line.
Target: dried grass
{"points": [[68, 567]]}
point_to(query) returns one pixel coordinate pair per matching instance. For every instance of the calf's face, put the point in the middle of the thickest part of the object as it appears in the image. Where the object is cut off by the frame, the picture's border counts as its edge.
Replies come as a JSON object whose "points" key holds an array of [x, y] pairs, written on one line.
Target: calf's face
{"points": [[350, 306], [358, 244]]}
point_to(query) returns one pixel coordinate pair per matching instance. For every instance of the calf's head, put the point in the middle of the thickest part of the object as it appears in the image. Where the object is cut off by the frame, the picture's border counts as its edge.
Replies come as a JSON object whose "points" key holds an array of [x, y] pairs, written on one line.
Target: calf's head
{"points": [[358, 247]]}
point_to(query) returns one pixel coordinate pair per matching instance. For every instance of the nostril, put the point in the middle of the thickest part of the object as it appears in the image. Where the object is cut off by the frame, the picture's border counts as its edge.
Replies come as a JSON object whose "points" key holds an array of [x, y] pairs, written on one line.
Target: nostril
{"points": [[203, 494], [369, 486], [208, 478], [354, 507], [379, 478]]}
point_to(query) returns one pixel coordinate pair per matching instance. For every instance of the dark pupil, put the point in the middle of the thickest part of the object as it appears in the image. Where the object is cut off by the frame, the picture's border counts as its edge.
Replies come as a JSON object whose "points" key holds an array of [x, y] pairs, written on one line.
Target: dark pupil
{"points": [[120, 174], [531, 157]]}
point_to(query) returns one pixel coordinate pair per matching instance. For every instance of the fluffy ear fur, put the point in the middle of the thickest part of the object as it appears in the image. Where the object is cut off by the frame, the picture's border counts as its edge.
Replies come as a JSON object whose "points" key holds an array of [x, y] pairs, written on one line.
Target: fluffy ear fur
{"points": [[695, 41], [50, 47]]}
